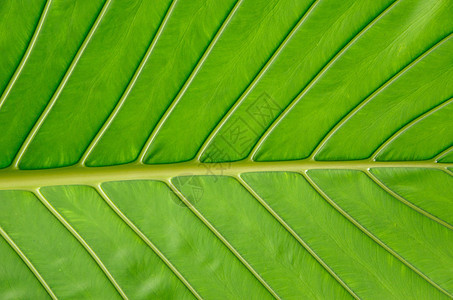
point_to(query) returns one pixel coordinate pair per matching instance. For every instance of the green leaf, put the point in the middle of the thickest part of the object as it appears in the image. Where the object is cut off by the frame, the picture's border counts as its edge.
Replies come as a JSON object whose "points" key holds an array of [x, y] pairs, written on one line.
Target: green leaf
{"points": [[235, 149]]}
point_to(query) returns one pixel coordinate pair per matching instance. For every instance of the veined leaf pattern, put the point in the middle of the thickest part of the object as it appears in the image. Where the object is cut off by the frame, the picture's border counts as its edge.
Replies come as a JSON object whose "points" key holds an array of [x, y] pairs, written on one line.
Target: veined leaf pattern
{"points": [[237, 149]]}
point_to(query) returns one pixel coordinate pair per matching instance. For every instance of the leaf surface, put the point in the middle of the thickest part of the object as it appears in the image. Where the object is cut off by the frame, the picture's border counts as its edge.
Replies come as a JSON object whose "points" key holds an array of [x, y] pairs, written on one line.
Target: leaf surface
{"points": [[226, 149]]}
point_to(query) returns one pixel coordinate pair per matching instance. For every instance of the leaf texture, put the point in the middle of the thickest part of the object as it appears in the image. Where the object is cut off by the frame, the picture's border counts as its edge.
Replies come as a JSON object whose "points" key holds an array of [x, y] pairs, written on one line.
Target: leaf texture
{"points": [[236, 149]]}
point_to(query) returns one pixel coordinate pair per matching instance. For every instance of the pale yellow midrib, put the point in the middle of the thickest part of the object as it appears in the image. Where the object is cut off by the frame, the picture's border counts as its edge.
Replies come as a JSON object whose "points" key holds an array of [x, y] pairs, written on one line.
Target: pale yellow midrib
{"points": [[76, 175]]}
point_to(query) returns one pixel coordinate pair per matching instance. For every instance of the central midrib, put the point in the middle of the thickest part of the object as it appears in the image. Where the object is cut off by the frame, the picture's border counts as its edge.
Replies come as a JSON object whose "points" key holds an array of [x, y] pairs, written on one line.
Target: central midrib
{"points": [[11, 178]]}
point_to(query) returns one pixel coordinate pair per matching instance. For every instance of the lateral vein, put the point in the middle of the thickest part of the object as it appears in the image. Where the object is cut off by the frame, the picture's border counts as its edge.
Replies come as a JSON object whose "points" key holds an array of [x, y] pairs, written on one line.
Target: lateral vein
{"points": [[28, 263], [60, 88], [394, 194], [296, 236], [409, 125], [145, 239], [81, 240], [255, 81], [186, 85], [24, 59], [308, 87], [371, 235], [130, 86], [221, 238], [375, 93]]}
